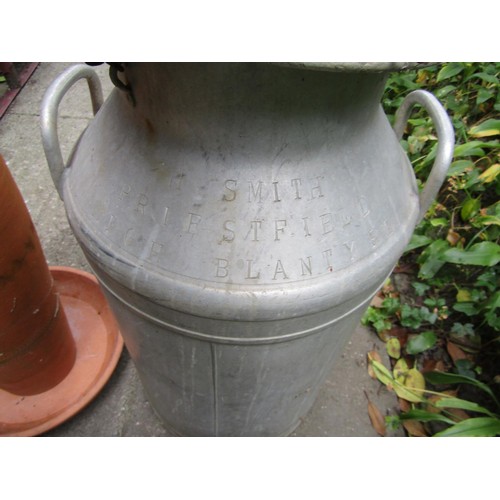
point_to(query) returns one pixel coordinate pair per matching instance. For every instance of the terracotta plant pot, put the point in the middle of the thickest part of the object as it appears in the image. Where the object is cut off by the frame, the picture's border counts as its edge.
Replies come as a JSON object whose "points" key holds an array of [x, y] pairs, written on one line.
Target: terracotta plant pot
{"points": [[37, 350]]}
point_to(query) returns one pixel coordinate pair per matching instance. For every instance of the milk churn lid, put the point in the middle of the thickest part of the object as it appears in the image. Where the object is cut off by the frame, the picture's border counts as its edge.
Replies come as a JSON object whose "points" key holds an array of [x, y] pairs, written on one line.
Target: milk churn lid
{"points": [[334, 66]]}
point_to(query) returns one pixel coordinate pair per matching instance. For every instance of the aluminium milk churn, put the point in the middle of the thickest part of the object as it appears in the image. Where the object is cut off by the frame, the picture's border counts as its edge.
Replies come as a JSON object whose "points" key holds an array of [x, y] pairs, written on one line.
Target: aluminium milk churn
{"points": [[239, 218]]}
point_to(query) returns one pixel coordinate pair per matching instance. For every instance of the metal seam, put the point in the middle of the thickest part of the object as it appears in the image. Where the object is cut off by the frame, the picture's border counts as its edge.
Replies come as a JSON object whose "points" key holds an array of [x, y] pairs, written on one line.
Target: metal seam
{"points": [[235, 340]]}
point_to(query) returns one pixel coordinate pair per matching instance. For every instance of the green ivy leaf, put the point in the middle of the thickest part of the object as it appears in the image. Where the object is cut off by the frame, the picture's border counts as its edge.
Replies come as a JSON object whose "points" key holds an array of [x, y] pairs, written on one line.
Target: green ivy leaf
{"points": [[493, 301], [468, 308], [391, 305], [487, 279], [421, 342], [465, 367], [463, 330], [420, 288]]}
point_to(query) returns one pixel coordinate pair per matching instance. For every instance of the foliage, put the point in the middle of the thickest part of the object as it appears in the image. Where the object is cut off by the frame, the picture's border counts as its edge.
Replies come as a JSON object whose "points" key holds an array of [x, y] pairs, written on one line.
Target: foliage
{"points": [[448, 320]]}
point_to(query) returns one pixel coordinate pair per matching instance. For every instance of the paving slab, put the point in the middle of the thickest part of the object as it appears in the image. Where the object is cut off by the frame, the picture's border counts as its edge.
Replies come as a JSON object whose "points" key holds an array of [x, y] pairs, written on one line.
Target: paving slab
{"points": [[122, 407]]}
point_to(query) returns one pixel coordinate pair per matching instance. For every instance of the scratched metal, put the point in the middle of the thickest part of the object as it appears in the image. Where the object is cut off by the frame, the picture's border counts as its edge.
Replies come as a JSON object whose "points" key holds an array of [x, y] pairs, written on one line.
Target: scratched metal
{"points": [[240, 217]]}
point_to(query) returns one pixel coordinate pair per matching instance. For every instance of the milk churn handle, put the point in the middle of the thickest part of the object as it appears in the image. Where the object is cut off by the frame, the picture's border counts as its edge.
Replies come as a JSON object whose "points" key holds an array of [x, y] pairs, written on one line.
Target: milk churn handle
{"points": [[49, 110], [446, 141]]}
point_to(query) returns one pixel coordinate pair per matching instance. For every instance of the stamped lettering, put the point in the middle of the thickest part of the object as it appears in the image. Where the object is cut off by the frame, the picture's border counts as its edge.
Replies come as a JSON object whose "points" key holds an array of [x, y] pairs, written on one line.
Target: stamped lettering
{"points": [[327, 223], [165, 215], [228, 231], [276, 193], [327, 256], [193, 222], [127, 240], [230, 186], [350, 247], [142, 202], [125, 192], [155, 251], [316, 191], [254, 231], [221, 268], [255, 192], [306, 226], [296, 183], [279, 228], [110, 224], [306, 266], [279, 270], [251, 273]]}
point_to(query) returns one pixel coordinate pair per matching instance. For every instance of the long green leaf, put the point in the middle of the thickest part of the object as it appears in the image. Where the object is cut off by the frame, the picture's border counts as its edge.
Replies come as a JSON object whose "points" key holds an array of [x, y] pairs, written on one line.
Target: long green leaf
{"points": [[450, 70], [473, 427], [483, 76], [417, 241], [381, 372], [425, 416], [459, 166], [462, 404], [385, 376], [474, 148], [453, 378], [494, 301], [485, 253], [486, 129], [430, 259]]}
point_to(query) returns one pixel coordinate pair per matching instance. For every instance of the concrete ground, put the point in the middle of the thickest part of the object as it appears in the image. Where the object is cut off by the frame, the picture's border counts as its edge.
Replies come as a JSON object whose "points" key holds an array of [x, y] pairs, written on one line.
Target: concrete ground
{"points": [[121, 408]]}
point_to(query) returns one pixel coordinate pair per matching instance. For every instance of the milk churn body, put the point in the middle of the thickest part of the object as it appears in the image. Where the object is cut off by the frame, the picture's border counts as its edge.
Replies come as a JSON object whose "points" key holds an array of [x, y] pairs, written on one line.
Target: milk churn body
{"points": [[239, 217]]}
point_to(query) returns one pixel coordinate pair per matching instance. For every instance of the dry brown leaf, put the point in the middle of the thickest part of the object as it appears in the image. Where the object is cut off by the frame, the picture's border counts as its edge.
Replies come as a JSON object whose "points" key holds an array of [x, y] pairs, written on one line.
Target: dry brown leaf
{"points": [[375, 356], [453, 237], [403, 268], [400, 333], [458, 414], [414, 428], [404, 405], [376, 418], [384, 335], [432, 400], [455, 352], [440, 366], [377, 301], [429, 365], [387, 288]]}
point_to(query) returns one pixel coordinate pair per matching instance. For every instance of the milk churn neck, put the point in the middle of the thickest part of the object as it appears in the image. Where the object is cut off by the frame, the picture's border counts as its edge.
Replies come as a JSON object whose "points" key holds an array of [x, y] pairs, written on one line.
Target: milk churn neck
{"points": [[118, 70]]}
